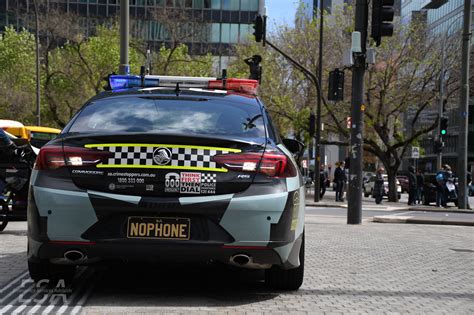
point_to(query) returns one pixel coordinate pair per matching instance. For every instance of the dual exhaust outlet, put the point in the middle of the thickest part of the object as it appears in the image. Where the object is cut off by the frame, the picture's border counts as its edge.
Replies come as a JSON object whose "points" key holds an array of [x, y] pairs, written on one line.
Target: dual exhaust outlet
{"points": [[246, 261], [74, 256]]}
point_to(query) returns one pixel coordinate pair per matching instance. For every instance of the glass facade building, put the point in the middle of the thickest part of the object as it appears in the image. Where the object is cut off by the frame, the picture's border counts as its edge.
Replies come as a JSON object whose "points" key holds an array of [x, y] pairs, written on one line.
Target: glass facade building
{"points": [[214, 26], [440, 16]]}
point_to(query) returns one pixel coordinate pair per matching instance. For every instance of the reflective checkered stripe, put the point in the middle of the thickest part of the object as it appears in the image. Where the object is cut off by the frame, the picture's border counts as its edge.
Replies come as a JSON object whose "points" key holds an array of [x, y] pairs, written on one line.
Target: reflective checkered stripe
{"points": [[182, 157]]}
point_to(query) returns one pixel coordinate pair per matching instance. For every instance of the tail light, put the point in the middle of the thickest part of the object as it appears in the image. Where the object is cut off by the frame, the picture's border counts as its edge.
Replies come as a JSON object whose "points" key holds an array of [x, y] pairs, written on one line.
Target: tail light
{"points": [[272, 164], [54, 157]]}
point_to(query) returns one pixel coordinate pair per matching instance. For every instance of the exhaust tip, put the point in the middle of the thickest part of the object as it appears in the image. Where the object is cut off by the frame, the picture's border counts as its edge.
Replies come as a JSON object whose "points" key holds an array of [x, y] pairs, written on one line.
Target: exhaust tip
{"points": [[74, 255], [240, 259]]}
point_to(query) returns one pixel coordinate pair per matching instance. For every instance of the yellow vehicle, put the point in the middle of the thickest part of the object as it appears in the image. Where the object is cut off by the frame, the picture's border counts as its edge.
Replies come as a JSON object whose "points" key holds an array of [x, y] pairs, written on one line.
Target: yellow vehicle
{"points": [[36, 135], [39, 136]]}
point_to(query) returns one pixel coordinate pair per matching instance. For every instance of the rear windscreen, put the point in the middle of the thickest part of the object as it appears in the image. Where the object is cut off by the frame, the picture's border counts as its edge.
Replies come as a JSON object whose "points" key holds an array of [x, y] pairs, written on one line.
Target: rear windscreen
{"points": [[176, 116]]}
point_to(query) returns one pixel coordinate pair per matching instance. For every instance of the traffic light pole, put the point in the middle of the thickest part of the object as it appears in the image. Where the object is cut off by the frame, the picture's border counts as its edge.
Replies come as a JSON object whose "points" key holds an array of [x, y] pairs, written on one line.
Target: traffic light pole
{"points": [[464, 106], [317, 155], [439, 156], [354, 200]]}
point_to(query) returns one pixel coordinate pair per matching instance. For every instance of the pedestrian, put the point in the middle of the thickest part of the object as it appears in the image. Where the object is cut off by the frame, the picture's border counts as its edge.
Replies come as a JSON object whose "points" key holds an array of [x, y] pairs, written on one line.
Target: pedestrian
{"points": [[412, 185], [441, 198], [378, 185], [420, 181], [323, 176], [339, 179]]}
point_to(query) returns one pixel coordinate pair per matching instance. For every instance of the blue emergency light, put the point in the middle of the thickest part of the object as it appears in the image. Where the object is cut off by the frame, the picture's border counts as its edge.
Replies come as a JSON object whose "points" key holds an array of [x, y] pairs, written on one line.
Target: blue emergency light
{"points": [[120, 82]]}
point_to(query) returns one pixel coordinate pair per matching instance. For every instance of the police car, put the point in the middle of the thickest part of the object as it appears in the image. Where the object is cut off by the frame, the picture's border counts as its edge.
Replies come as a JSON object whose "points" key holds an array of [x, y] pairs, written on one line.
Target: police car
{"points": [[169, 169]]}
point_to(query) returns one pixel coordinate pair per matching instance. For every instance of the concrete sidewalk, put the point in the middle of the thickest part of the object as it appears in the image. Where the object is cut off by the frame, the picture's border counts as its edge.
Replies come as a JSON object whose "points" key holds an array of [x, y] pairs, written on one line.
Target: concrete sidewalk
{"points": [[448, 219], [368, 203], [418, 214]]}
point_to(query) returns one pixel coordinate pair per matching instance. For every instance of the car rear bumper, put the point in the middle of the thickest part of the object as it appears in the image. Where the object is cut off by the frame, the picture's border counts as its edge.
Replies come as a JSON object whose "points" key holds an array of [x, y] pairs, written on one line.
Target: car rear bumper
{"points": [[260, 257], [266, 227]]}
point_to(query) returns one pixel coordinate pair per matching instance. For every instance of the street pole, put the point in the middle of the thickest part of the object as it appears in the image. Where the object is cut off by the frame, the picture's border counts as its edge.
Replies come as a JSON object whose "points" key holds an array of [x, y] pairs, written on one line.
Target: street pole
{"points": [[464, 106], [124, 67], [317, 155], [354, 200], [38, 79], [439, 157]]}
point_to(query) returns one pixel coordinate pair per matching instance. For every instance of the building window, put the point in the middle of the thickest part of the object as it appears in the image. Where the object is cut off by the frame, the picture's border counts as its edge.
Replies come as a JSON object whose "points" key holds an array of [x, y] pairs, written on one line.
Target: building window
{"points": [[197, 4], [216, 4], [225, 33], [245, 31], [233, 5], [215, 33], [249, 5]]}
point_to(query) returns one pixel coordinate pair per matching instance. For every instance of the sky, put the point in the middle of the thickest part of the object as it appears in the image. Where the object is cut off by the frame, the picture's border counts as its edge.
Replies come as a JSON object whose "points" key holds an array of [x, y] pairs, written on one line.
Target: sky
{"points": [[280, 12]]}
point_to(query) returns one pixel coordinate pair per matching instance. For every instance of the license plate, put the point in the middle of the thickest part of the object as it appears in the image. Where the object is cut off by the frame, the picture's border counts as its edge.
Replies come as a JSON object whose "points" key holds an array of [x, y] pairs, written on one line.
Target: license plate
{"points": [[158, 228]]}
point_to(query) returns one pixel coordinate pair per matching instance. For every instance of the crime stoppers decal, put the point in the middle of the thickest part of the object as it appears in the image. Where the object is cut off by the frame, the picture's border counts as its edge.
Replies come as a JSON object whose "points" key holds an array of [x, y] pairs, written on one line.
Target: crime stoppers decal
{"points": [[191, 183]]}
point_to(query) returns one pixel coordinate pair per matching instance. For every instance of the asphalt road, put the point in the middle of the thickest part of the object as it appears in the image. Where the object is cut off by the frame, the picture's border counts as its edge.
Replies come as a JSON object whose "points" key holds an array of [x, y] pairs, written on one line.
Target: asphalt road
{"points": [[368, 268]]}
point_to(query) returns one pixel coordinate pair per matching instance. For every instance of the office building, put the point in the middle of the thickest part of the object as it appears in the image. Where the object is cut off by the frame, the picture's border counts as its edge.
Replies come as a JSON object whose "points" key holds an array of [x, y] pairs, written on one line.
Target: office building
{"points": [[442, 18], [214, 26]]}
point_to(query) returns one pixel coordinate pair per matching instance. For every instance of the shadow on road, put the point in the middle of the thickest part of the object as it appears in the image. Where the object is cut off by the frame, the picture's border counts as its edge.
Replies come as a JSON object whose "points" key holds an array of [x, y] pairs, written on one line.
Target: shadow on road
{"points": [[178, 285]]}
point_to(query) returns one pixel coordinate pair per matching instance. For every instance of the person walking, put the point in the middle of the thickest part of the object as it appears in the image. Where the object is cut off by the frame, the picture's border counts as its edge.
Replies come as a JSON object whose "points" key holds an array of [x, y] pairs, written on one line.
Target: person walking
{"points": [[323, 177], [441, 198], [378, 185], [339, 179], [412, 185], [420, 181]]}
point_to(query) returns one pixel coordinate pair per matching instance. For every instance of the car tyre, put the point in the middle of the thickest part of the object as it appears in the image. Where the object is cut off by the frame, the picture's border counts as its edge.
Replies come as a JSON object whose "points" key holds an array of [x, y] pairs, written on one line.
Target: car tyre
{"points": [[45, 270], [290, 279], [3, 215]]}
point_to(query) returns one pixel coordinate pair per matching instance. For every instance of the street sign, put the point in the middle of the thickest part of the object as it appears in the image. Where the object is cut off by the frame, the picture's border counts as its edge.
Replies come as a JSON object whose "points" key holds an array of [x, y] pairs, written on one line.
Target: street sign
{"points": [[415, 152]]}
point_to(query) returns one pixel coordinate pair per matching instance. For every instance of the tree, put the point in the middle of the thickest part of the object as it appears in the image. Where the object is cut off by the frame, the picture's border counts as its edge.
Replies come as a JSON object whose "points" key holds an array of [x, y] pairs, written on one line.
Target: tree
{"points": [[401, 87], [17, 75]]}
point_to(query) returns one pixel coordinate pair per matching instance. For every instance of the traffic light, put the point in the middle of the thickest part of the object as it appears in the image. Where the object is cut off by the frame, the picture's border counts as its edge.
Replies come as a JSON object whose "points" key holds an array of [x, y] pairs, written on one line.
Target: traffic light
{"points": [[443, 126], [438, 146], [382, 17], [260, 28], [336, 85]]}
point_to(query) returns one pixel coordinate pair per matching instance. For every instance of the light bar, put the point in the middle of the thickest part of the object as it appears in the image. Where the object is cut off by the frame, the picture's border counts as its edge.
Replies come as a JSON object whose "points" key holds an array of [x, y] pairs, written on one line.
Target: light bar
{"points": [[184, 82], [246, 86], [120, 82]]}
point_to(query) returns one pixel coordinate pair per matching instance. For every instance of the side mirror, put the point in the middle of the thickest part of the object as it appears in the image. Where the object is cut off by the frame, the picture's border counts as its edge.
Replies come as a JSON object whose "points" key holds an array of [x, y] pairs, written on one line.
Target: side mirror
{"points": [[296, 147]]}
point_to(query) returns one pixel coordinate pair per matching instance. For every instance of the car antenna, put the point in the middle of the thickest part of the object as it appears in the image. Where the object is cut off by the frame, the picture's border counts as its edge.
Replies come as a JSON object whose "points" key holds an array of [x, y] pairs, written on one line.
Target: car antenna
{"points": [[177, 90], [224, 78]]}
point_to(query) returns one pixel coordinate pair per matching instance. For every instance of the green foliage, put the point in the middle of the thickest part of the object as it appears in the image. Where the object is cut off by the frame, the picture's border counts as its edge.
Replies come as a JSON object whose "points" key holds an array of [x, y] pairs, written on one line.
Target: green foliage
{"points": [[177, 61], [74, 72], [17, 74]]}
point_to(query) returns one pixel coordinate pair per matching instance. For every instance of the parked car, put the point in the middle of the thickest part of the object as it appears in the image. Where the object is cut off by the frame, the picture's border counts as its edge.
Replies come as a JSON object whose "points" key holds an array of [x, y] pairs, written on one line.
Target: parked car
{"points": [[403, 182], [369, 187], [429, 190]]}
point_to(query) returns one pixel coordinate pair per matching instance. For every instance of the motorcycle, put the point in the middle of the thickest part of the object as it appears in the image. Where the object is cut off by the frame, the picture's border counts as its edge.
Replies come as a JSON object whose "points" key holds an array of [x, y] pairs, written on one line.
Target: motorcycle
{"points": [[16, 178]]}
